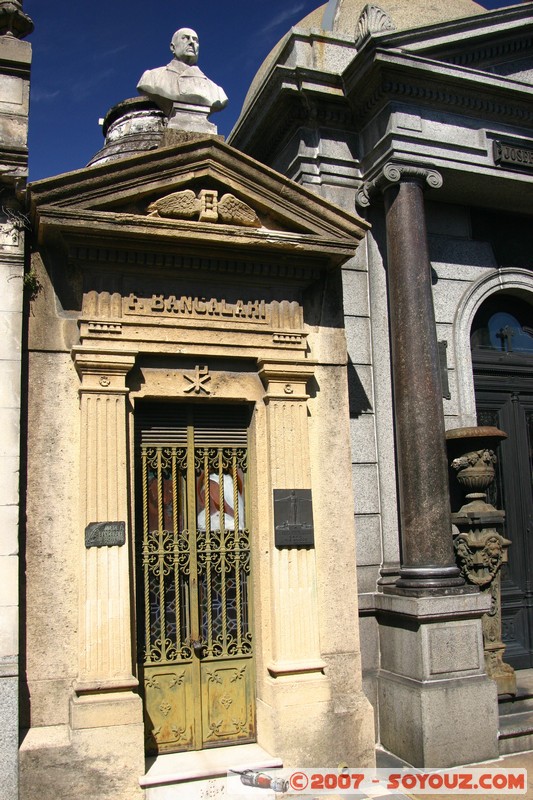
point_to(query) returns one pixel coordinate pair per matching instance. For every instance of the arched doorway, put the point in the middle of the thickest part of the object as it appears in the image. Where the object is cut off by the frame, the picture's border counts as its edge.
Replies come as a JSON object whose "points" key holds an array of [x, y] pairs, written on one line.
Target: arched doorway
{"points": [[502, 358]]}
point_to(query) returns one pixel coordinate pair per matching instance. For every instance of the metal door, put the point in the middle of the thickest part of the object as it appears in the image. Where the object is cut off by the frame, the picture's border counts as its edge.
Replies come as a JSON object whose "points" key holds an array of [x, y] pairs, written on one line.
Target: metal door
{"points": [[511, 409], [197, 658]]}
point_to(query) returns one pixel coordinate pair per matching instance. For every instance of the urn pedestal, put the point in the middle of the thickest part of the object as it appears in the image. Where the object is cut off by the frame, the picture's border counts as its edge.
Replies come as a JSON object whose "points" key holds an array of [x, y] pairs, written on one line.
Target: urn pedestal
{"points": [[480, 547]]}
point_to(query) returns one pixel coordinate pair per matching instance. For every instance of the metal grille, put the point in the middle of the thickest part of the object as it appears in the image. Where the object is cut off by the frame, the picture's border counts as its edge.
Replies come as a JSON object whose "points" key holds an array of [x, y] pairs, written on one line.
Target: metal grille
{"points": [[195, 556]]}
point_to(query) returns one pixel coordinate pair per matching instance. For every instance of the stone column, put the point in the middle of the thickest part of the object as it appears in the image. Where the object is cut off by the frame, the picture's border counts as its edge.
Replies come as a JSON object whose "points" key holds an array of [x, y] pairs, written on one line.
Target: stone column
{"points": [[15, 62], [310, 706], [103, 690], [295, 645], [431, 644], [427, 557]]}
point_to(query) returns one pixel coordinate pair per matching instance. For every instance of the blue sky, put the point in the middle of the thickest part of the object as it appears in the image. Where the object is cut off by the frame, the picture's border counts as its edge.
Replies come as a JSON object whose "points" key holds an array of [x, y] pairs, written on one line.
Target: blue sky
{"points": [[89, 56]]}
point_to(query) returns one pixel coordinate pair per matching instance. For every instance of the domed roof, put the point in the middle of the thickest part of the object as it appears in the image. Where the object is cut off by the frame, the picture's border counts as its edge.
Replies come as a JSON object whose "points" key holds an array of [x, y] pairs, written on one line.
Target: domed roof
{"points": [[404, 14]]}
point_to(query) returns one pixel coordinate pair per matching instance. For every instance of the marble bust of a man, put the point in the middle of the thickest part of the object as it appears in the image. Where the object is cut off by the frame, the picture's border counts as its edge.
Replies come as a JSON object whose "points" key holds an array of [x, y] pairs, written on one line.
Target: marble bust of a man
{"points": [[181, 81]]}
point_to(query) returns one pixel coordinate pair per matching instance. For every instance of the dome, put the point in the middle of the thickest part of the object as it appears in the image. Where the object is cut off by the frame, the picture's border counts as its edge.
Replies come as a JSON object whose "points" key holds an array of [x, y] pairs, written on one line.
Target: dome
{"points": [[404, 14]]}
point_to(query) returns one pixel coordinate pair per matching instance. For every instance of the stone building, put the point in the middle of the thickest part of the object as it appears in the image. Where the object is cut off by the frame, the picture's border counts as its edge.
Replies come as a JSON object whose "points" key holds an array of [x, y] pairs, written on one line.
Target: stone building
{"points": [[217, 336]]}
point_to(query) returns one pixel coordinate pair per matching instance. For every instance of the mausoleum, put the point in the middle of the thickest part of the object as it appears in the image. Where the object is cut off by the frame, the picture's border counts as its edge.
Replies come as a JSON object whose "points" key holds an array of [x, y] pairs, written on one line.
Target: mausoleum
{"points": [[274, 433]]}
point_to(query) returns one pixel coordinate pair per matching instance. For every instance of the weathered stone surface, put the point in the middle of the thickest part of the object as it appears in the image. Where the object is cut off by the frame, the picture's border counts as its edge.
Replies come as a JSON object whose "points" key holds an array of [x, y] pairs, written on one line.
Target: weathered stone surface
{"points": [[9, 735]]}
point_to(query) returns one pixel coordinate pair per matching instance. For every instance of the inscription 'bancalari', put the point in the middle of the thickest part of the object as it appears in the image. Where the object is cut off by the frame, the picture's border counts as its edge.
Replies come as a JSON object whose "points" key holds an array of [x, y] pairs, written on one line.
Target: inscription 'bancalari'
{"points": [[196, 307]]}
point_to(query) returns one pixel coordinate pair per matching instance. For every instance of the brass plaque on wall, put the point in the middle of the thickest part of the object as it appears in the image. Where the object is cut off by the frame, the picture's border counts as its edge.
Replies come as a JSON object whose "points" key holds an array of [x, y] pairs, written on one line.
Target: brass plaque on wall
{"points": [[293, 518]]}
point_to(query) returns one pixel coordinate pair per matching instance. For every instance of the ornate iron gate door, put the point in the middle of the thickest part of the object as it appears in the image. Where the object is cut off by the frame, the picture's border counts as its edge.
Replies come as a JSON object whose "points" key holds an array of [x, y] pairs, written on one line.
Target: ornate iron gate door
{"points": [[197, 660]]}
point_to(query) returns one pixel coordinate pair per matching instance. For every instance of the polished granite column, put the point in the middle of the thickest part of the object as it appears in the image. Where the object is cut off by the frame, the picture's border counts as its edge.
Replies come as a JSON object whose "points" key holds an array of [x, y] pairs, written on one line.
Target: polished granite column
{"points": [[427, 557]]}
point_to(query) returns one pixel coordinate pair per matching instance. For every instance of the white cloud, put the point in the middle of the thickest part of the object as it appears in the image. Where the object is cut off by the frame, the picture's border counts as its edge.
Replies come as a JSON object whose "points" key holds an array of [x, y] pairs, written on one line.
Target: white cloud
{"points": [[281, 18]]}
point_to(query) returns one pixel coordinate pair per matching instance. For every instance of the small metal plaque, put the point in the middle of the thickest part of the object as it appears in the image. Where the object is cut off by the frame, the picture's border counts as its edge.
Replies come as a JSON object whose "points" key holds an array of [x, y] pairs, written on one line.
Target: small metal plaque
{"points": [[293, 518], [105, 534]]}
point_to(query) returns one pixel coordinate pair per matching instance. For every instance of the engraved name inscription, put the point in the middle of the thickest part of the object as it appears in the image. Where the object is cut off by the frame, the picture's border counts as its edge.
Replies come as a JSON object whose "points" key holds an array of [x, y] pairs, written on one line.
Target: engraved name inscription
{"points": [[512, 156], [105, 534], [196, 307]]}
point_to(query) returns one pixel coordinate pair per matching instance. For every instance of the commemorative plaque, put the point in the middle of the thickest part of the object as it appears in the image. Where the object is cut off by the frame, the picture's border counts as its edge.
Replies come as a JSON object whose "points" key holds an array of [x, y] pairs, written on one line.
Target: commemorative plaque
{"points": [[513, 155], [105, 534], [293, 518]]}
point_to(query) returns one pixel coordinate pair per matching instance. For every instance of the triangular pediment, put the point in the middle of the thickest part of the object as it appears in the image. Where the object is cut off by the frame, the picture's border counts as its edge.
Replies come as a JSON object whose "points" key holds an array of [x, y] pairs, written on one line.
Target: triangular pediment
{"points": [[195, 189]]}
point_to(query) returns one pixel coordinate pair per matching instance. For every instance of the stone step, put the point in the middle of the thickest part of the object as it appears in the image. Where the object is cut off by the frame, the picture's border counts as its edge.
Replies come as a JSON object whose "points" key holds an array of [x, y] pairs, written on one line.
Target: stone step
{"points": [[516, 733], [523, 700], [203, 774], [515, 705]]}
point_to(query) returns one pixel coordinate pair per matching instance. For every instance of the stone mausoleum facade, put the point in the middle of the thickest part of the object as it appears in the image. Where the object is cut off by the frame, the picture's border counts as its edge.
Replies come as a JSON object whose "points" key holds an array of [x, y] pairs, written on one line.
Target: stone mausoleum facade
{"points": [[258, 378]]}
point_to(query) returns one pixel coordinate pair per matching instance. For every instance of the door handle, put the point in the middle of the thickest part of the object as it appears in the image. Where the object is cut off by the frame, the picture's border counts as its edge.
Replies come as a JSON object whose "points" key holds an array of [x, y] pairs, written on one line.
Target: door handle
{"points": [[199, 647]]}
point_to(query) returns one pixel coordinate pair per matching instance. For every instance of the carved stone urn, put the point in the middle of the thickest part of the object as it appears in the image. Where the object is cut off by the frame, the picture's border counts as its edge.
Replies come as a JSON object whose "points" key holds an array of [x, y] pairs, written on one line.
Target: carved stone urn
{"points": [[480, 548]]}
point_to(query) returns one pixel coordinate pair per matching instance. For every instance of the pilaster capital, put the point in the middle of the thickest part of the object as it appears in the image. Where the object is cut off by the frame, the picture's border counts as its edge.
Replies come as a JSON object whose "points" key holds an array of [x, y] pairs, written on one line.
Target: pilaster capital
{"points": [[393, 173], [286, 380], [103, 370]]}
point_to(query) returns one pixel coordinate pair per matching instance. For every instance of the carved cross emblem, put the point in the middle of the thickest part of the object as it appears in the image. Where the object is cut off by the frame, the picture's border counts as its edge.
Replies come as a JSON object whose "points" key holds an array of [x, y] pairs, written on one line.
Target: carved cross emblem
{"points": [[198, 381]]}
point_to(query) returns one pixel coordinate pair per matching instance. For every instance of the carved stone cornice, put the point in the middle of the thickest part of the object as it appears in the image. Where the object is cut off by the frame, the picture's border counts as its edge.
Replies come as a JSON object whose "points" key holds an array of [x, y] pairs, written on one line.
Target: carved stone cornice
{"points": [[435, 93], [518, 46], [393, 173]]}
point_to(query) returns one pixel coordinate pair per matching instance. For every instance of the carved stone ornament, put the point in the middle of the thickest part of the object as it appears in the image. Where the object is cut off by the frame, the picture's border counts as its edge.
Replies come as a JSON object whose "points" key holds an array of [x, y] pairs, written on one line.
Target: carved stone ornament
{"points": [[206, 207], [394, 173], [198, 381], [373, 19], [479, 548], [13, 20], [480, 554]]}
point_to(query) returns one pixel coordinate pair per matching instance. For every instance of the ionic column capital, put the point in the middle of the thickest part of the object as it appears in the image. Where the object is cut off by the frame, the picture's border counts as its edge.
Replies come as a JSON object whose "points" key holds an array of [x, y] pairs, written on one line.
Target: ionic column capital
{"points": [[393, 173]]}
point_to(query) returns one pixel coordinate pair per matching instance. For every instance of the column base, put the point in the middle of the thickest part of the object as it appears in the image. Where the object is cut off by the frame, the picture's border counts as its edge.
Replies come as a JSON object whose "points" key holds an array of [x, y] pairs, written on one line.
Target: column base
{"points": [[104, 763], [105, 710], [300, 718], [430, 578], [432, 686]]}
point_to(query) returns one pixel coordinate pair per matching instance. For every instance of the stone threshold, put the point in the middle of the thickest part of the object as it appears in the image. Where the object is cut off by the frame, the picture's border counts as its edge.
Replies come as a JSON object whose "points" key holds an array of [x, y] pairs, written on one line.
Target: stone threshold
{"points": [[198, 765]]}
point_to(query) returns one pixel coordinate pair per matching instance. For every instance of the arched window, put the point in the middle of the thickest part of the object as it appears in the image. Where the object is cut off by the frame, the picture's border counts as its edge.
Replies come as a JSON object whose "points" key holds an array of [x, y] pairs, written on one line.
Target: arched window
{"points": [[503, 324]]}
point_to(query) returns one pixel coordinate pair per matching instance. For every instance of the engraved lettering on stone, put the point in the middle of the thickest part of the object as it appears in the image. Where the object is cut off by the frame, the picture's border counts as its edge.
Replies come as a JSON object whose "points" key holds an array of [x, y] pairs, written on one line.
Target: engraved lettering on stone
{"points": [[198, 381], [187, 306], [105, 534], [205, 208], [513, 156]]}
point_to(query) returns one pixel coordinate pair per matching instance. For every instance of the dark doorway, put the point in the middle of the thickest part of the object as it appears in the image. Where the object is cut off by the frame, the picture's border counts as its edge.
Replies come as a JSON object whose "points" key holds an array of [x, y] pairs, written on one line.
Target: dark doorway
{"points": [[502, 355]]}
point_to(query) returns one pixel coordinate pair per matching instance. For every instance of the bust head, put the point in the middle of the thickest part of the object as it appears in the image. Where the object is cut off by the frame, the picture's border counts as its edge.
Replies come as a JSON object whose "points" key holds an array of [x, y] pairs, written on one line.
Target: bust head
{"points": [[185, 46]]}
